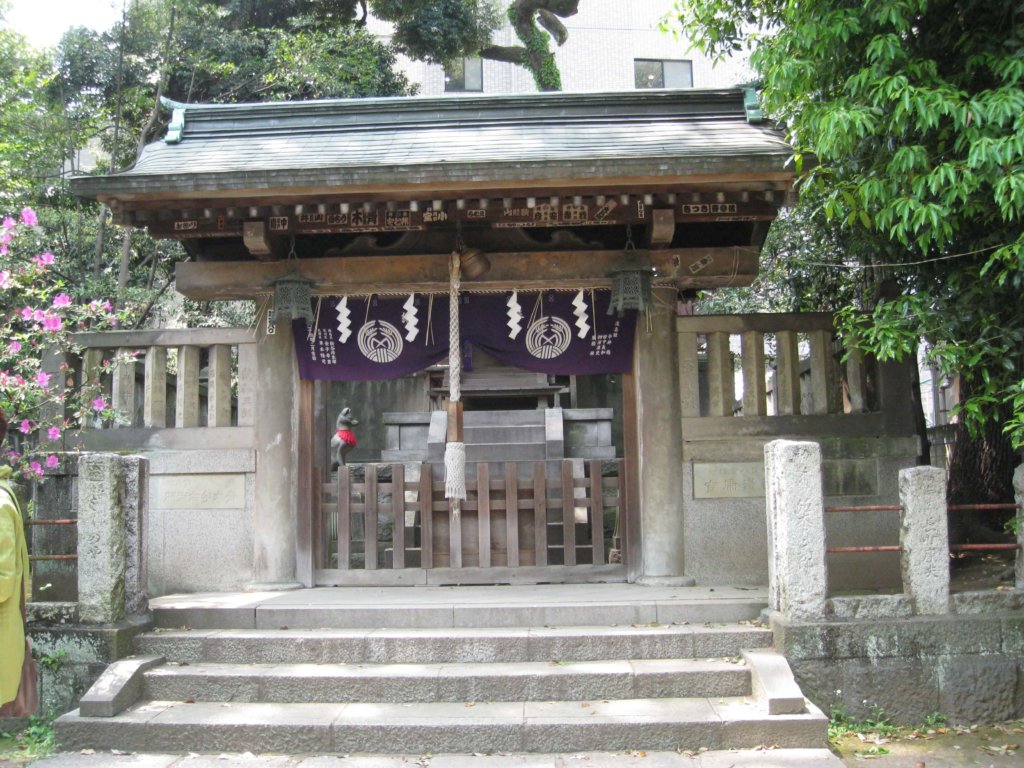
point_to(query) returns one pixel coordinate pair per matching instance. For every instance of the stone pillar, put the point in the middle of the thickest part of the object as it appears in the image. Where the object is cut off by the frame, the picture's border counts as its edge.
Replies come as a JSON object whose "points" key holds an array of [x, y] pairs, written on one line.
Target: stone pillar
{"points": [[276, 502], [101, 541], [1018, 492], [797, 579], [924, 536], [659, 449], [136, 504]]}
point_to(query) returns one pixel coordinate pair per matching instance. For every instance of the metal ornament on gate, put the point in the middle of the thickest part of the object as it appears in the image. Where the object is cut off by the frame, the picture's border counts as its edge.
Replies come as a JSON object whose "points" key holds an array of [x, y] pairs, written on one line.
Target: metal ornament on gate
{"points": [[292, 298]]}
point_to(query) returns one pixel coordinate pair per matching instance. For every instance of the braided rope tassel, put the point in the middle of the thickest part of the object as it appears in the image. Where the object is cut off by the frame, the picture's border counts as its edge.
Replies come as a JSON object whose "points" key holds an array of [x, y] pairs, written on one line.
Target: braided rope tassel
{"points": [[454, 453]]}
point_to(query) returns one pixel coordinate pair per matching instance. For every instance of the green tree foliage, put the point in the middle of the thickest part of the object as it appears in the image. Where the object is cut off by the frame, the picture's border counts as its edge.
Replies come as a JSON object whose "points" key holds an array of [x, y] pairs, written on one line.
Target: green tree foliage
{"points": [[908, 121]]}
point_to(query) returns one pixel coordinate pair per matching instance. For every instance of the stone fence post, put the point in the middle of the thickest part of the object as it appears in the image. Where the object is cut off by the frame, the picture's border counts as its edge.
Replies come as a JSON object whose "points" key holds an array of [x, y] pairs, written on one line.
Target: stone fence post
{"points": [[924, 537], [1018, 493], [797, 579], [112, 494]]}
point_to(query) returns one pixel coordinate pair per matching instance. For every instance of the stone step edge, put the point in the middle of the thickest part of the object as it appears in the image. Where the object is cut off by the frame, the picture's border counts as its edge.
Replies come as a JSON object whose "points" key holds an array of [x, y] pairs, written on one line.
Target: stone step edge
{"points": [[755, 757], [122, 684], [773, 683], [455, 615], [447, 682], [720, 723]]}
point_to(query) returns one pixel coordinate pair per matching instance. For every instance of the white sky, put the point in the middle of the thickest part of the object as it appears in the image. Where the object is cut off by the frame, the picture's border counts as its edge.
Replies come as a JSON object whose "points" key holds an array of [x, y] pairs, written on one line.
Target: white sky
{"points": [[44, 21]]}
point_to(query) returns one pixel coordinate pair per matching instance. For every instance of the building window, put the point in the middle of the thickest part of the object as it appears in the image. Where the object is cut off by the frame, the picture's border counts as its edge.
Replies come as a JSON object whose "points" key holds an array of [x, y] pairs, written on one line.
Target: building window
{"points": [[464, 75], [663, 73]]}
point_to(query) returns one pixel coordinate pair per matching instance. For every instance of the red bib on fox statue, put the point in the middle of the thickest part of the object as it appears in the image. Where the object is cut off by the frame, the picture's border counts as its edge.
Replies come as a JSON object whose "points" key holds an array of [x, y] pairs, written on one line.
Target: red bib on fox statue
{"points": [[344, 439]]}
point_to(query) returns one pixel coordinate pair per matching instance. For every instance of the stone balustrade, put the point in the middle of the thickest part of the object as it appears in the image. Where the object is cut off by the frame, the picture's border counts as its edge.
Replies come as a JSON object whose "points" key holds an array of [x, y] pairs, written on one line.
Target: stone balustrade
{"points": [[806, 375], [210, 384]]}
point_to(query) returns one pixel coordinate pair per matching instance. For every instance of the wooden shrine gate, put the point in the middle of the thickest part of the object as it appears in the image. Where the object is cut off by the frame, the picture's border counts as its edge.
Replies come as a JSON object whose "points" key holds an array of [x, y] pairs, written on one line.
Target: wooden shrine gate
{"points": [[389, 524]]}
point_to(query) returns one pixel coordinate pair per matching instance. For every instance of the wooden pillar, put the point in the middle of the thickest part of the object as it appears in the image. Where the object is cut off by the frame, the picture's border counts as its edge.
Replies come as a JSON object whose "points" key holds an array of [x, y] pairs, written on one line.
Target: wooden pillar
{"points": [[274, 519], [655, 437]]}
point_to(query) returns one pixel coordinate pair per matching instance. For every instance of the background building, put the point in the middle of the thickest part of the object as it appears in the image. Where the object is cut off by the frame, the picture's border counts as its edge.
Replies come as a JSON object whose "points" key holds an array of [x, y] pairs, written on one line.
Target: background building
{"points": [[612, 46]]}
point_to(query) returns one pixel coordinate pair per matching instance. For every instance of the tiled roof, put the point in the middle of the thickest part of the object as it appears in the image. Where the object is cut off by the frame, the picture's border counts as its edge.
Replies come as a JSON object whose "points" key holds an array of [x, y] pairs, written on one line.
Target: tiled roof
{"points": [[462, 140]]}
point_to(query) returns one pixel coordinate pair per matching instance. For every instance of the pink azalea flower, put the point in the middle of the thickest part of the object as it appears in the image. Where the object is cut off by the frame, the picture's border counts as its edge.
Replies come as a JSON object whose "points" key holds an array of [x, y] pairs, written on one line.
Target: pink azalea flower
{"points": [[28, 217], [39, 315], [44, 259], [43, 379], [99, 404], [53, 433], [52, 323], [26, 426], [52, 461], [14, 347], [36, 468], [61, 300], [108, 306], [26, 313]]}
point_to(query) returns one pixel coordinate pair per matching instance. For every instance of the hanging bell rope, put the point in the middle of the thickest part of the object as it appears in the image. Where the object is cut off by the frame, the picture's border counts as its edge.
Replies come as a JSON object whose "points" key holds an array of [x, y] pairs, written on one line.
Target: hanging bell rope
{"points": [[455, 448]]}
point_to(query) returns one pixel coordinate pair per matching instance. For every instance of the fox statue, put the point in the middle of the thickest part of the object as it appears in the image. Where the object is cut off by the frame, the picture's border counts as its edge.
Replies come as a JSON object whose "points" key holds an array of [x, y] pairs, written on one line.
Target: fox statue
{"points": [[343, 440]]}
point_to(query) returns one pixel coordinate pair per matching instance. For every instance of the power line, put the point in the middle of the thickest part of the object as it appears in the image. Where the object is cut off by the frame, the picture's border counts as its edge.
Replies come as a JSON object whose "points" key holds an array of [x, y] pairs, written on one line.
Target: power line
{"points": [[906, 263]]}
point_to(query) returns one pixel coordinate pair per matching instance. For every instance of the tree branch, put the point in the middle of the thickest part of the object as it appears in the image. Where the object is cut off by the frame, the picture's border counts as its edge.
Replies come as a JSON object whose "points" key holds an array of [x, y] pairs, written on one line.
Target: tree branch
{"points": [[513, 54], [550, 22]]}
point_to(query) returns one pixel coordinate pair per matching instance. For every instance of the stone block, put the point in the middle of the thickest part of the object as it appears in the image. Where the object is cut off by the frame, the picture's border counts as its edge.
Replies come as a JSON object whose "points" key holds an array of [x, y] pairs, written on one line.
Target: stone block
{"points": [[136, 509], [746, 726], [773, 684], [732, 480], [850, 477], [905, 690], [979, 689], [202, 462], [870, 607], [924, 536], [200, 550], [796, 529], [101, 542], [119, 687]]}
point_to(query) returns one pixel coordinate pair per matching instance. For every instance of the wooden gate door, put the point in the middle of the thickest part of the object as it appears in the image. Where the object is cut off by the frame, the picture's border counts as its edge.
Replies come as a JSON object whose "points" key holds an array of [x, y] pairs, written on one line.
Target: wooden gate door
{"points": [[524, 522]]}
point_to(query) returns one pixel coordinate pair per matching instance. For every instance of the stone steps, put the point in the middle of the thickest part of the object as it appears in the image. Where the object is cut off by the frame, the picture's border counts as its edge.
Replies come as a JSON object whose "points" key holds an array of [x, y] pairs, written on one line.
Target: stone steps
{"points": [[452, 645], [402, 683], [499, 433], [428, 685], [474, 727]]}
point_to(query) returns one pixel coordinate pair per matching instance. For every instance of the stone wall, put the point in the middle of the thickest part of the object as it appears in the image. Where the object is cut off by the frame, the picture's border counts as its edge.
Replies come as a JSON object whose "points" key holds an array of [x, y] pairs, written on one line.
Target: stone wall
{"points": [[968, 667], [199, 525]]}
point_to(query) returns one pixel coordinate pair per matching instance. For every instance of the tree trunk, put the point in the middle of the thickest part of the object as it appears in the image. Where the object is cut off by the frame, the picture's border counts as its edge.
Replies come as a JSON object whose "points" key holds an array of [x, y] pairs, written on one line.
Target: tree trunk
{"points": [[535, 54], [980, 472]]}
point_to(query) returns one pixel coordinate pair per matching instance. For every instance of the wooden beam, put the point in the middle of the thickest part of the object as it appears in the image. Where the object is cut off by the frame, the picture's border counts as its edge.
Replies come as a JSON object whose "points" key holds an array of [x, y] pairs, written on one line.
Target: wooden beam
{"points": [[682, 267]]}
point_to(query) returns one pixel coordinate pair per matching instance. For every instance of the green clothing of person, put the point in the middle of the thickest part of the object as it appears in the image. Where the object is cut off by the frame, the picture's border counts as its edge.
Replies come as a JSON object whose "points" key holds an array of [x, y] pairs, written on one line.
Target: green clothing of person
{"points": [[14, 583]]}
